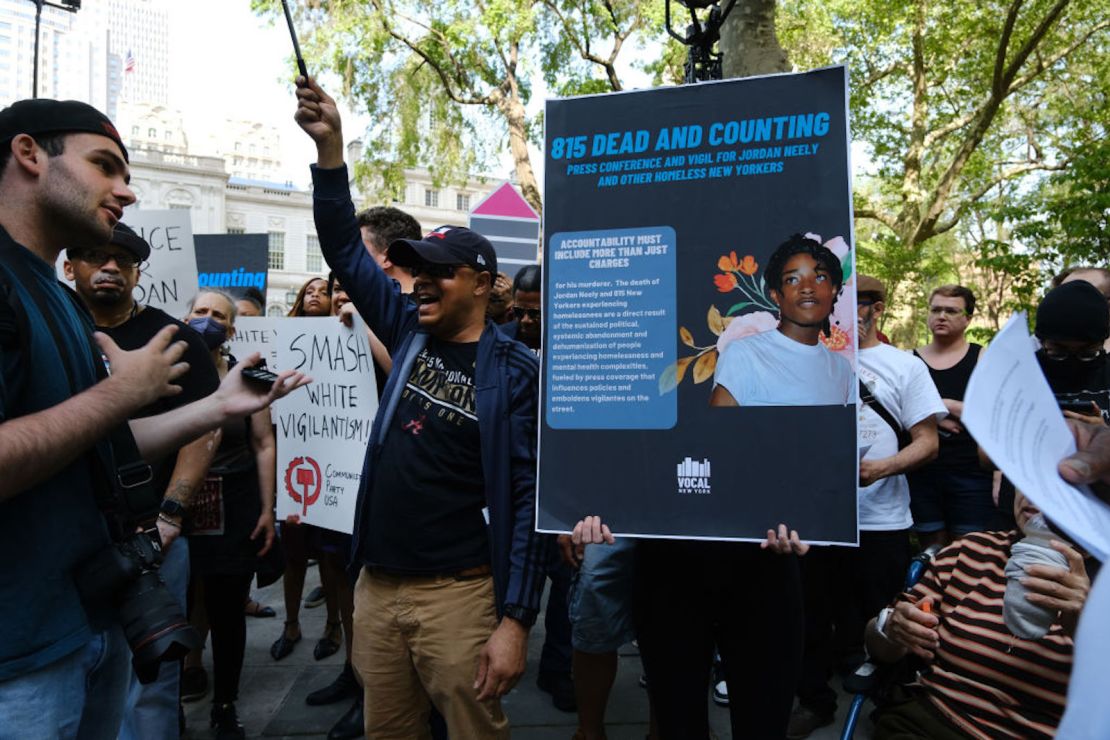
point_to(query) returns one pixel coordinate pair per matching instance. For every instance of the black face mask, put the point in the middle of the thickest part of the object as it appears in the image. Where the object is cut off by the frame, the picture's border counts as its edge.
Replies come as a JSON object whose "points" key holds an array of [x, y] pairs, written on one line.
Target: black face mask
{"points": [[1071, 375]]}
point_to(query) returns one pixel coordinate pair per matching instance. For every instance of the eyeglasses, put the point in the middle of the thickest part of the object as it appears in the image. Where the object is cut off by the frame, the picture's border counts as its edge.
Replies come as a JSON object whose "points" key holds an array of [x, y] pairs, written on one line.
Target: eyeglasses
{"points": [[433, 270], [532, 313], [946, 310], [99, 258], [1057, 354]]}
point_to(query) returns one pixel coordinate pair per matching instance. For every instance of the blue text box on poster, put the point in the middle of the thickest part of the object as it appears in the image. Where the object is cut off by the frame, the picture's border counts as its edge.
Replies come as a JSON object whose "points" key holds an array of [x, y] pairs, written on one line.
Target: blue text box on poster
{"points": [[612, 329]]}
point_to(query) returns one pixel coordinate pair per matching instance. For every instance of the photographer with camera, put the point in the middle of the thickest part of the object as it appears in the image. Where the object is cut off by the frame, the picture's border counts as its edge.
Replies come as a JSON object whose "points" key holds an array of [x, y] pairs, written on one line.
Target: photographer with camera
{"points": [[105, 278], [78, 541]]}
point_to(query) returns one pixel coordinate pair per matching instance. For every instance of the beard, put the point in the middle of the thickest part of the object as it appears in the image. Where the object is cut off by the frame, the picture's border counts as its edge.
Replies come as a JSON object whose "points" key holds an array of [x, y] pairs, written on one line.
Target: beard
{"points": [[67, 207]]}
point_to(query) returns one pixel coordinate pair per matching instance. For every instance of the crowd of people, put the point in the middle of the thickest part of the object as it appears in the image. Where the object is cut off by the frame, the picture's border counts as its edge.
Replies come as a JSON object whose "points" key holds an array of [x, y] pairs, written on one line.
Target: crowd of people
{"points": [[117, 572]]}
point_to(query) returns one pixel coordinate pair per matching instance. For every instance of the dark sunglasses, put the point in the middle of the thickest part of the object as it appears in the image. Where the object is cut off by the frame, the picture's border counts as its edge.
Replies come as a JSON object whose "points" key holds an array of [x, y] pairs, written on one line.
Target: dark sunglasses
{"points": [[99, 258], [532, 313], [433, 270]]}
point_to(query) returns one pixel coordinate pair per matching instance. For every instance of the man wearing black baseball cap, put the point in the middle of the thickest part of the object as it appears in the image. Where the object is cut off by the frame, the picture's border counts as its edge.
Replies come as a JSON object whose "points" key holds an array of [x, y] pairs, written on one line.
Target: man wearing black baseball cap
{"points": [[105, 278], [64, 659], [449, 567]]}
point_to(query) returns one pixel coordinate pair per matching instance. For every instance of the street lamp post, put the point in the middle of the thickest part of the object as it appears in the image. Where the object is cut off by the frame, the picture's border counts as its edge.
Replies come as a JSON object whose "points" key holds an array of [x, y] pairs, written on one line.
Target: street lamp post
{"points": [[703, 60], [71, 6]]}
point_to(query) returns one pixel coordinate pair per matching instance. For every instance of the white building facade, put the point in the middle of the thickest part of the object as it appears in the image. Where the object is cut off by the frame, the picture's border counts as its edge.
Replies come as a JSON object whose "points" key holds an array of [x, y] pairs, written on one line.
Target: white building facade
{"points": [[221, 203]]}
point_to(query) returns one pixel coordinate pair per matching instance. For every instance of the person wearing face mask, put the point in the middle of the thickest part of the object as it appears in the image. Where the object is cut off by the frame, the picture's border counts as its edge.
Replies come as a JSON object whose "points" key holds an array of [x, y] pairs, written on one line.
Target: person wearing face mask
{"points": [[105, 279], [234, 521], [1072, 324]]}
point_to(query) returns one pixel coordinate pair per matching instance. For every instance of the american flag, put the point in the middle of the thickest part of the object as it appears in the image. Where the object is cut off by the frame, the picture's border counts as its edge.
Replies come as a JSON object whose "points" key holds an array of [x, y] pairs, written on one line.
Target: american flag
{"points": [[129, 62]]}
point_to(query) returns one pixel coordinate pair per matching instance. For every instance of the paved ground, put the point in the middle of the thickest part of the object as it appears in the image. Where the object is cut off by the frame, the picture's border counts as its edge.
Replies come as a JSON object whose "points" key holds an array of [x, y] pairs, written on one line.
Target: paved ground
{"points": [[271, 697]]}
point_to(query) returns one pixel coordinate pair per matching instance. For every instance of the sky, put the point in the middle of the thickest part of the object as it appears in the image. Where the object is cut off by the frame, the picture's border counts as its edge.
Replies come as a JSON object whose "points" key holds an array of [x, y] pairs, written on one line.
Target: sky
{"points": [[226, 62]]}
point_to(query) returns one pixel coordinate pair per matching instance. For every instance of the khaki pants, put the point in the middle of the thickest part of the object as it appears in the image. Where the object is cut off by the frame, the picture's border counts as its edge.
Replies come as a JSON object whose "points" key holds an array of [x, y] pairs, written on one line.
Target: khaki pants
{"points": [[416, 643]]}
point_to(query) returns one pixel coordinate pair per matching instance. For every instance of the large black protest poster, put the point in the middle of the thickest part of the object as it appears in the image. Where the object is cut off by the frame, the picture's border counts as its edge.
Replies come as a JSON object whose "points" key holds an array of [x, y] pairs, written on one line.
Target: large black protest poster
{"points": [[662, 211]]}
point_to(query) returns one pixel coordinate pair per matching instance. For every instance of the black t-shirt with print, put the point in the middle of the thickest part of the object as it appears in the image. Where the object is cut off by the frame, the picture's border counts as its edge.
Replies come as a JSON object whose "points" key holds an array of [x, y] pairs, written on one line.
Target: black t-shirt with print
{"points": [[426, 514], [201, 380]]}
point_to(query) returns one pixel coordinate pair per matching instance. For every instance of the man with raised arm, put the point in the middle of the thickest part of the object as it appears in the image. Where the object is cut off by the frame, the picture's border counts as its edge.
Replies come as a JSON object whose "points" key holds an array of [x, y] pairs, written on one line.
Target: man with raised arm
{"points": [[449, 567]]}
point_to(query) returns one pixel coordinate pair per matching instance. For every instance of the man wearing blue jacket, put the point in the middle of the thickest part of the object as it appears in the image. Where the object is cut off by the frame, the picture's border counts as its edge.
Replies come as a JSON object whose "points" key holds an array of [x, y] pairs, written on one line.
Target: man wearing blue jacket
{"points": [[449, 568]]}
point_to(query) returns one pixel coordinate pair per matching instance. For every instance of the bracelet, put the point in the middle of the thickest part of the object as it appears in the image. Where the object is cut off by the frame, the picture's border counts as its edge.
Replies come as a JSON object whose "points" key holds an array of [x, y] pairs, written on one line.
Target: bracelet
{"points": [[163, 518]]}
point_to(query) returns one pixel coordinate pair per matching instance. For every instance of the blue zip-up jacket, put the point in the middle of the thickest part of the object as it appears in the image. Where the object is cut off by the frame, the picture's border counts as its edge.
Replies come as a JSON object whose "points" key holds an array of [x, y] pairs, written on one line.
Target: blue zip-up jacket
{"points": [[505, 382]]}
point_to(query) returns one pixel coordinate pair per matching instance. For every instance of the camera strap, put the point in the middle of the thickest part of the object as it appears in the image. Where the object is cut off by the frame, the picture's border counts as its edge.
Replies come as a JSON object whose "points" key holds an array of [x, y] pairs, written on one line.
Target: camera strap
{"points": [[116, 465], [868, 398]]}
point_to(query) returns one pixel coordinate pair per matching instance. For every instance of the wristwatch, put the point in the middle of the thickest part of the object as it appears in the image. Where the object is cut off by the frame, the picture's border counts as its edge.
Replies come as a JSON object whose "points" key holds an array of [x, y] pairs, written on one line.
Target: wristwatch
{"points": [[884, 617], [522, 614], [170, 507]]}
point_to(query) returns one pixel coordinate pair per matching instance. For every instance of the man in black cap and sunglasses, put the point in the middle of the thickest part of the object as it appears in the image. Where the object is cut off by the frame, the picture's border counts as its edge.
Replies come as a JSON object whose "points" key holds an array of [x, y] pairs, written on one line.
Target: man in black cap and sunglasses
{"points": [[64, 660], [105, 278], [449, 567]]}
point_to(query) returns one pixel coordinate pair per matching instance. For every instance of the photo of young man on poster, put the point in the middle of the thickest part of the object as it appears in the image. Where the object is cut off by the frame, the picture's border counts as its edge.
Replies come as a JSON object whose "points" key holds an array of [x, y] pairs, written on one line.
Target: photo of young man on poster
{"points": [[789, 365]]}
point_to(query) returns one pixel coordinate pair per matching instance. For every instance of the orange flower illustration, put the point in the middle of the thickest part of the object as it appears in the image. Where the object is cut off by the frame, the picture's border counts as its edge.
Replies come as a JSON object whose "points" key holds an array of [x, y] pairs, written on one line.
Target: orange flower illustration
{"points": [[725, 282], [748, 266], [728, 263], [836, 341]]}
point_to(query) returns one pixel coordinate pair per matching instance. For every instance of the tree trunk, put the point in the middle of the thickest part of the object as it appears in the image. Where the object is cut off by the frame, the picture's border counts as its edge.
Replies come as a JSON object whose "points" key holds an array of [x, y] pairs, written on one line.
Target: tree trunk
{"points": [[513, 110], [748, 41]]}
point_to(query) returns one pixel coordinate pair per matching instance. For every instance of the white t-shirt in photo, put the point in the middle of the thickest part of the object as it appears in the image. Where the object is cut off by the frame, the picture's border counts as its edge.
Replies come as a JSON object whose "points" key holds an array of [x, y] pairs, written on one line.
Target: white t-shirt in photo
{"points": [[771, 369], [901, 383]]}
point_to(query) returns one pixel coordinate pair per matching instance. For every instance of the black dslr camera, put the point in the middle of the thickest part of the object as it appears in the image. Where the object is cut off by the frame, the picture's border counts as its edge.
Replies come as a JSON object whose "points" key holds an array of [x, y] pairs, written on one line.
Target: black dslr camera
{"points": [[125, 575]]}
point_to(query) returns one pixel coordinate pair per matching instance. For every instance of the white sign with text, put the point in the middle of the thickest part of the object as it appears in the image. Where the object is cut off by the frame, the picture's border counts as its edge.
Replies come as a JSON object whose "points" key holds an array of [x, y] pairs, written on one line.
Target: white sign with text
{"points": [[323, 428]]}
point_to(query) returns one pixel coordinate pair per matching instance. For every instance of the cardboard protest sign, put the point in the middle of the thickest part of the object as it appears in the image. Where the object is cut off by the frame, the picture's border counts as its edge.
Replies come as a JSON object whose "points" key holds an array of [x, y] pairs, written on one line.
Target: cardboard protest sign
{"points": [[671, 219], [257, 334], [323, 428], [232, 262], [168, 279]]}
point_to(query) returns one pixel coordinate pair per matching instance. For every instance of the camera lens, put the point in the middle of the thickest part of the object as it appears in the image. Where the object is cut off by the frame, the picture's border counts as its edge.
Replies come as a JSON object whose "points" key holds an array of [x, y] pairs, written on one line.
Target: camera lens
{"points": [[156, 629]]}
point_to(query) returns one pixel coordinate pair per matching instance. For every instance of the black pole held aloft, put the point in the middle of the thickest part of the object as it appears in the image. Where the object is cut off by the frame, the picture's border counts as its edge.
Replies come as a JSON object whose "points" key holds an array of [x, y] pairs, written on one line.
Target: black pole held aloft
{"points": [[703, 60], [296, 44]]}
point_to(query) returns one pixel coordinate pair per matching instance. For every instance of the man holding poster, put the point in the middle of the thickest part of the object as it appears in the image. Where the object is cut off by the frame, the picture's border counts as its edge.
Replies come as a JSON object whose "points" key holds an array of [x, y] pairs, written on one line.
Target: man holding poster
{"points": [[450, 569]]}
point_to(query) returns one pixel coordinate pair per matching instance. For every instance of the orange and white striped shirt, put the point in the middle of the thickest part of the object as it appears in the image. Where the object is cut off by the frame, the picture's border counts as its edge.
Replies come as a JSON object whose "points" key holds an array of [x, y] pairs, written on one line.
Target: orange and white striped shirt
{"points": [[985, 680]]}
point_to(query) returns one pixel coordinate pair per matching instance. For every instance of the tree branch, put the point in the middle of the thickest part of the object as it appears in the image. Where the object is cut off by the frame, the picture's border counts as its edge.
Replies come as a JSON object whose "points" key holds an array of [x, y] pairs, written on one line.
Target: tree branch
{"points": [[1031, 43], [881, 216], [448, 87], [1008, 174], [1043, 64], [1003, 45]]}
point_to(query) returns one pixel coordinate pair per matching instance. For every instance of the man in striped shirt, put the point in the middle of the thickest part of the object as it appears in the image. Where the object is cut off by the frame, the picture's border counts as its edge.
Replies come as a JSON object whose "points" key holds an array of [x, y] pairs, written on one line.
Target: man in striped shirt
{"points": [[982, 681]]}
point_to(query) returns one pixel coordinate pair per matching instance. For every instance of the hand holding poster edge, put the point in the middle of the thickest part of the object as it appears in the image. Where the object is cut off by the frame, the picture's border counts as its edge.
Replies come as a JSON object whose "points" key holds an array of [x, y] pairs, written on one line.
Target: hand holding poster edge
{"points": [[293, 35], [1078, 511]]}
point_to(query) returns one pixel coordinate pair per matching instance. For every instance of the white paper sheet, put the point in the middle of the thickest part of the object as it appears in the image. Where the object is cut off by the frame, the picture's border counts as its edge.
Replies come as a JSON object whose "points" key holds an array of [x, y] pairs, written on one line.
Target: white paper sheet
{"points": [[1011, 412]]}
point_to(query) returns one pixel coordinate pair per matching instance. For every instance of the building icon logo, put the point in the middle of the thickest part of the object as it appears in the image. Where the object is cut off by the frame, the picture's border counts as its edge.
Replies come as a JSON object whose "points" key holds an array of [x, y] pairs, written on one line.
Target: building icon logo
{"points": [[693, 476]]}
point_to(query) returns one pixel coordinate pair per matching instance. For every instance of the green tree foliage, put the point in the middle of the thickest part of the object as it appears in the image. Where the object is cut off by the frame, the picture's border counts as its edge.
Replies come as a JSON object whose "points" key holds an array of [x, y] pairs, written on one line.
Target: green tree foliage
{"points": [[981, 113], [446, 83]]}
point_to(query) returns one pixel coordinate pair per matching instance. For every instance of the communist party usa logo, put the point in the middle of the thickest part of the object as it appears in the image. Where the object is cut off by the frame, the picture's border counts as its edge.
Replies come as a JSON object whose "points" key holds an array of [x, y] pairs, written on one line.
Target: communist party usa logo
{"points": [[303, 482]]}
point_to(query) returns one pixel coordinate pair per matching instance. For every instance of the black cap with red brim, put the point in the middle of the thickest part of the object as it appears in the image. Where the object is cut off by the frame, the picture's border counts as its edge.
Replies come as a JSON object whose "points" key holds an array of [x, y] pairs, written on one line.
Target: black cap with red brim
{"points": [[447, 245], [44, 116]]}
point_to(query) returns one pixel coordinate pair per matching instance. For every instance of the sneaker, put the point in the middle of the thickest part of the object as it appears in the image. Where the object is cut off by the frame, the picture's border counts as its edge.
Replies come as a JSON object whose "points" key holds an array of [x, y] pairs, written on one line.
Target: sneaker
{"points": [[194, 683], [561, 688], [225, 722], [804, 721], [343, 687], [720, 694], [315, 598]]}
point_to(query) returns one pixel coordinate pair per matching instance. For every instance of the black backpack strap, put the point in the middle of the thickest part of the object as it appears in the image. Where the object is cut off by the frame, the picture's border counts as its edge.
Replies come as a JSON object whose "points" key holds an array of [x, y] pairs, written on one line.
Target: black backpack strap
{"points": [[867, 397], [117, 464]]}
